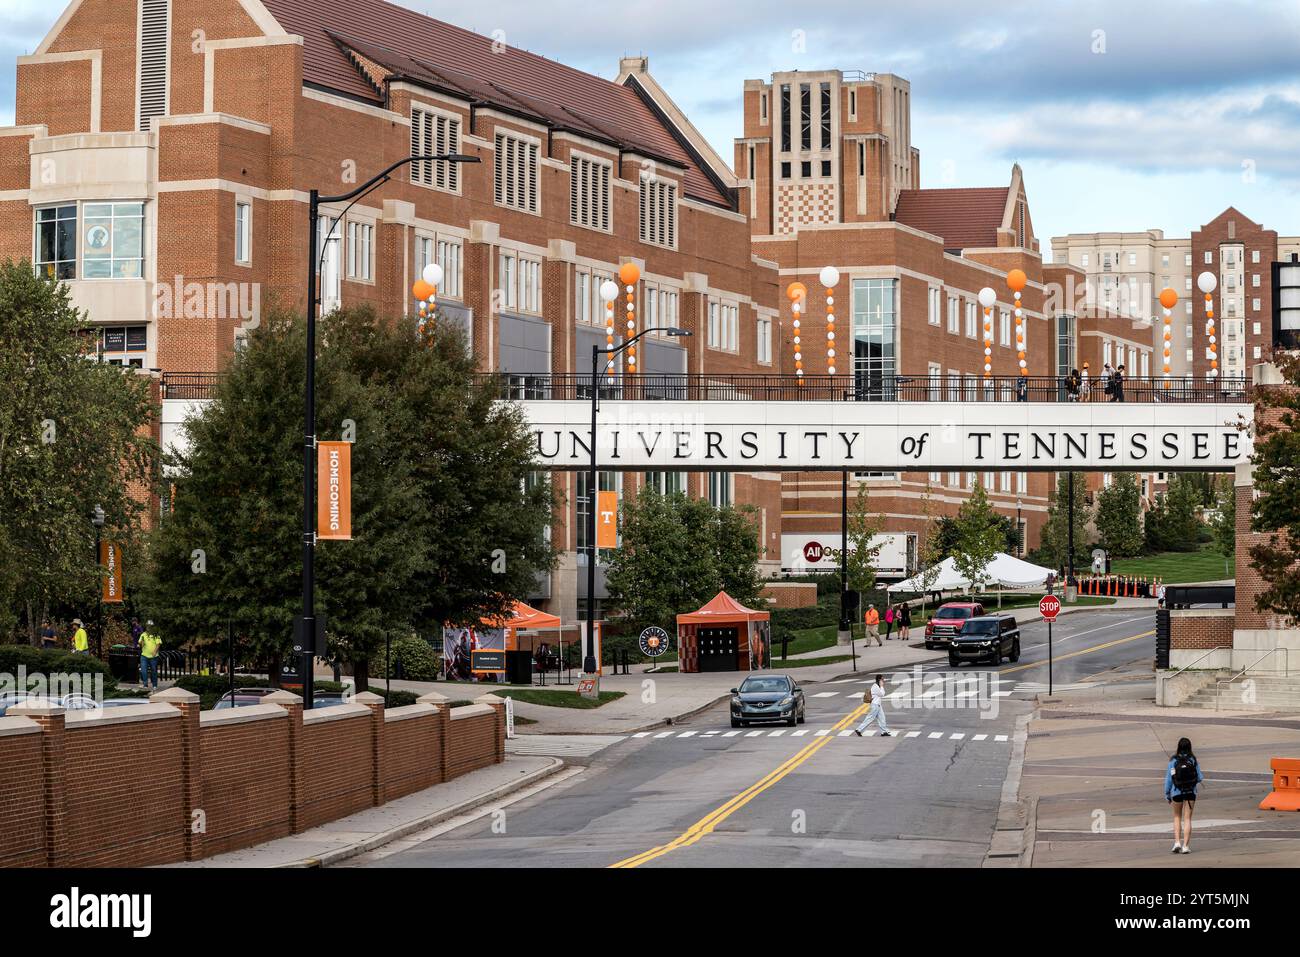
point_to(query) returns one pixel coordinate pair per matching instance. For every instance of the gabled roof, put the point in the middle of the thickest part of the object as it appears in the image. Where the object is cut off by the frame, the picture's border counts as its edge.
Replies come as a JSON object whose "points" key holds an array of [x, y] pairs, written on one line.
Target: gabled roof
{"points": [[722, 607], [965, 218], [350, 46]]}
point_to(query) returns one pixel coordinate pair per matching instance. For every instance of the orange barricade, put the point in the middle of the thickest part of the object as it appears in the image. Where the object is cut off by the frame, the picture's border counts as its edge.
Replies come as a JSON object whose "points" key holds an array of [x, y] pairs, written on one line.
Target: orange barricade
{"points": [[1286, 786]]}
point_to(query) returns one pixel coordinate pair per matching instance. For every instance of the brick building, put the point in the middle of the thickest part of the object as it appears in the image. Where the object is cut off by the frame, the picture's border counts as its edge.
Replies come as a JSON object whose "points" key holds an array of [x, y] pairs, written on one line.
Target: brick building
{"points": [[833, 180], [163, 151]]}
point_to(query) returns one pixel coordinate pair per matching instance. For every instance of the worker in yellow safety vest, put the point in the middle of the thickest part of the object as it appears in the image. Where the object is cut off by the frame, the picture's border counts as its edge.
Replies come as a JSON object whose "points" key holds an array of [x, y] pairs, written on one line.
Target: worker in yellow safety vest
{"points": [[149, 645], [80, 642]]}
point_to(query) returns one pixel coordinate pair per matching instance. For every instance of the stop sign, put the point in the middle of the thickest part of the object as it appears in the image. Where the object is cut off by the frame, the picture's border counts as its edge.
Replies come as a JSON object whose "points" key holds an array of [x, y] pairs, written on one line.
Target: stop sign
{"points": [[1049, 606]]}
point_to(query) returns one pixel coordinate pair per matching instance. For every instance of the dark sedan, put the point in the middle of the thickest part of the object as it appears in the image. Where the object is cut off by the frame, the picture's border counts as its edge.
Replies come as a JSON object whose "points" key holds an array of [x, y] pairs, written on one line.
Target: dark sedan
{"points": [[767, 698]]}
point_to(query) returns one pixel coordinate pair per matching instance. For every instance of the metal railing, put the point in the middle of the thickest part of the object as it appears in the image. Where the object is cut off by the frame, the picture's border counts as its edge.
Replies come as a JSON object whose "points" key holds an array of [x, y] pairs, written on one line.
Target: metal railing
{"points": [[189, 385], [1286, 672], [693, 387]]}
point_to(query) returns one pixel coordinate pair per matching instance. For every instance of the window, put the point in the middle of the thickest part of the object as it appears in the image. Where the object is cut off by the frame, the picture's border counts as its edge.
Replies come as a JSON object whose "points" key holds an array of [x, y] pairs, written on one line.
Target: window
{"points": [[658, 212], [935, 383], [785, 170], [762, 107], [954, 316], [805, 116], [1106, 353], [56, 242], [360, 240], [1187, 285], [515, 177], [530, 285], [1084, 261], [666, 483], [1254, 255], [582, 296], [826, 123], [243, 232], [805, 169], [433, 134], [589, 193], [1132, 259], [1187, 259], [1209, 257], [450, 258], [508, 280], [1004, 482], [123, 345], [1022, 483], [875, 337], [932, 306], [972, 321], [954, 480], [1254, 280], [853, 103], [988, 481], [719, 489], [724, 330], [862, 158], [765, 341], [113, 237], [785, 124], [826, 167], [1004, 328], [1164, 260]]}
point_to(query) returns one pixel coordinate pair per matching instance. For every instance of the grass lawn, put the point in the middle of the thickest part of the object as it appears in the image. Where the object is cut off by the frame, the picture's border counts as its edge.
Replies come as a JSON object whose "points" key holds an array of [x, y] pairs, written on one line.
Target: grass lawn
{"points": [[558, 699], [809, 662], [1178, 567]]}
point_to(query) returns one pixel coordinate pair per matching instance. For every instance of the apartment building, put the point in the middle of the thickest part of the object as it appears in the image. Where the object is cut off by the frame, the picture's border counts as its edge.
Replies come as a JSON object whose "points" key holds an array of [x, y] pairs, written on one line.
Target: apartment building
{"points": [[164, 149], [833, 179]]}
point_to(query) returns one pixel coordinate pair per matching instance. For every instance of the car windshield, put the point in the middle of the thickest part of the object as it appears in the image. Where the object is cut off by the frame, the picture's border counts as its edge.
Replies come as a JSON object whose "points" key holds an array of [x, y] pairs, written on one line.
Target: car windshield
{"points": [[978, 627], [752, 685], [952, 613]]}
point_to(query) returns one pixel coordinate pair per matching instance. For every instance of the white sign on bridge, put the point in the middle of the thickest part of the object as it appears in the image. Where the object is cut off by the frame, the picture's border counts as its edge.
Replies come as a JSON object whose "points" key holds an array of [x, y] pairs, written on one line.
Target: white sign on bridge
{"points": [[892, 436]]}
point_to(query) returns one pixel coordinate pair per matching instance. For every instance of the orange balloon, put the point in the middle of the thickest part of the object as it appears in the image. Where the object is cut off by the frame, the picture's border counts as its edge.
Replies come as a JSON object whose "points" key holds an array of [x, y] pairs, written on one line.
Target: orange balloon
{"points": [[421, 290], [628, 273], [1168, 298], [796, 290], [1016, 280]]}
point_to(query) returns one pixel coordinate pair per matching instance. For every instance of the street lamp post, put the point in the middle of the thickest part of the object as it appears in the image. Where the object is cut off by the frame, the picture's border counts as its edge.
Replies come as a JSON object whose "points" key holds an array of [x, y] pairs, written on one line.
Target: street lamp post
{"points": [[589, 656], [1020, 535], [307, 632], [97, 519]]}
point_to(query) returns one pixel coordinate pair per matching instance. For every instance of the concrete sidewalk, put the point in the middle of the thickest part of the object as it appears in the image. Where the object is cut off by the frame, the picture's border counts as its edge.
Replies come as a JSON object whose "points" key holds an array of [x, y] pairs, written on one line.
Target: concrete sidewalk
{"points": [[366, 830], [1091, 786]]}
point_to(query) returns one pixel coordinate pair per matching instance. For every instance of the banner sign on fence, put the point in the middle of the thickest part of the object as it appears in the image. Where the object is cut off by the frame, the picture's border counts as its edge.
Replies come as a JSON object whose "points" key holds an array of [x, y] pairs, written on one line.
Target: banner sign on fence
{"points": [[110, 559]]}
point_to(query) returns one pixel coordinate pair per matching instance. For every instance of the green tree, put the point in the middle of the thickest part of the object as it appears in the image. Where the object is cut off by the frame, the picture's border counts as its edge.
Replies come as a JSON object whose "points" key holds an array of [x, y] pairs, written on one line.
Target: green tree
{"points": [[947, 534], [438, 488], [1275, 511], [1119, 516], [864, 525], [980, 536], [73, 435], [1224, 525], [676, 552], [1173, 525], [1053, 549], [929, 557]]}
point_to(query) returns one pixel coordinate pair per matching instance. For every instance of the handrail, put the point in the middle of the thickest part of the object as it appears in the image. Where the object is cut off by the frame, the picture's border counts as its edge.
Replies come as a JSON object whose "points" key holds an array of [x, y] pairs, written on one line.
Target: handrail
{"points": [[1194, 660], [1286, 671]]}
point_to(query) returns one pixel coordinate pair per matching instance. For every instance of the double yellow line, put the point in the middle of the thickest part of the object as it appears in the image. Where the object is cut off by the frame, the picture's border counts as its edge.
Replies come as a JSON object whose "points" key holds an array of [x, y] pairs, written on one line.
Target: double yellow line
{"points": [[1076, 654], [706, 824]]}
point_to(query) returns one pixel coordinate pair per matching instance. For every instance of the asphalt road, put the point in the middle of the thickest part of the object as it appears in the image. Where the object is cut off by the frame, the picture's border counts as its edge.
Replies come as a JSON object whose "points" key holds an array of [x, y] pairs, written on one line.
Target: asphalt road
{"points": [[701, 794]]}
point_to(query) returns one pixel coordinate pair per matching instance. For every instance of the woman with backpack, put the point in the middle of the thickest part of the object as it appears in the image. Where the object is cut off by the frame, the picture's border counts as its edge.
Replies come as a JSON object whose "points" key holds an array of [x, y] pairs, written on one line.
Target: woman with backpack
{"points": [[1182, 778]]}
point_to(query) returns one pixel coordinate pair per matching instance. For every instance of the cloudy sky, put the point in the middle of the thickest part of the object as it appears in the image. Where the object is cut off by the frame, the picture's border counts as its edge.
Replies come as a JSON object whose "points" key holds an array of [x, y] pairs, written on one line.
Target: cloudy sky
{"points": [[1124, 114]]}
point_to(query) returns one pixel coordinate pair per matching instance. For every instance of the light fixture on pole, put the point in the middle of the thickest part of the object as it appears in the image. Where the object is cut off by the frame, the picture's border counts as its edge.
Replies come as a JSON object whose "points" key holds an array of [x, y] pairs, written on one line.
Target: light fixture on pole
{"points": [[830, 277], [797, 293], [1016, 281], [97, 518], [425, 292], [987, 298], [1207, 282], [1168, 299]]}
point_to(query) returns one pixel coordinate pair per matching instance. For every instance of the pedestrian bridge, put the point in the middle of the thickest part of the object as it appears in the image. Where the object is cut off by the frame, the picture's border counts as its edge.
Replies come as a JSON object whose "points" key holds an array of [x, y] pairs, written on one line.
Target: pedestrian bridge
{"points": [[904, 423]]}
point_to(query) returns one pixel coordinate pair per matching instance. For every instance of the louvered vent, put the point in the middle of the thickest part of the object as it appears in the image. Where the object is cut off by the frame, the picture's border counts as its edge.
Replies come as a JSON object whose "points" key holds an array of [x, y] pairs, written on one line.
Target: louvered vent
{"points": [[155, 19], [515, 175]]}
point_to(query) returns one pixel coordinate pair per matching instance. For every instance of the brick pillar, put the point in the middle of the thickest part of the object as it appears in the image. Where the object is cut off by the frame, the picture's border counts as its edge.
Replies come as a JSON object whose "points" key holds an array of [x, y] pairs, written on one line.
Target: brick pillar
{"points": [[292, 704], [55, 774], [498, 705], [440, 726], [376, 705], [187, 703]]}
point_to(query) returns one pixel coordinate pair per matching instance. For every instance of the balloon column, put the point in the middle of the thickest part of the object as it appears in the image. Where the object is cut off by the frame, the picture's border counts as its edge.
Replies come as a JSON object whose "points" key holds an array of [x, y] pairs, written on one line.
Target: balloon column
{"points": [[830, 277], [1016, 281], [1207, 282], [425, 292], [628, 274], [987, 298], [608, 293], [798, 294], [1168, 299]]}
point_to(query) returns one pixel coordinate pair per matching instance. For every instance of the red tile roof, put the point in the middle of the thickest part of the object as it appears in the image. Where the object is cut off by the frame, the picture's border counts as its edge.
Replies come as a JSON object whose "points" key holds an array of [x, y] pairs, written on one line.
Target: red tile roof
{"points": [[461, 62], [965, 218]]}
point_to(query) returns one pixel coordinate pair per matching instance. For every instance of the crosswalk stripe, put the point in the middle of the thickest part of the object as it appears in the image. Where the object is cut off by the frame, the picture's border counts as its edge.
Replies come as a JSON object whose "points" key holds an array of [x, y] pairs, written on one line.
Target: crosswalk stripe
{"points": [[936, 734], [686, 734], [844, 734], [798, 734], [641, 734], [1000, 737], [777, 733], [731, 734], [663, 734], [913, 734], [956, 737], [826, 694], [821, 732], [979, 737], [753, 734]]}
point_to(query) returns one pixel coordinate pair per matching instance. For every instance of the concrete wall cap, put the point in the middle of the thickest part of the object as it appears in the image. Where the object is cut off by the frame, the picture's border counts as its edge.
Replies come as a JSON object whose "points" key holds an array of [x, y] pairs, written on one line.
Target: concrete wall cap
{"points": [[368, 698], [490, 699], [175, 696], [280, 697], [35, 707], [17, 725], [432, 697], [471, 711], [252, 712], [409, 711]]}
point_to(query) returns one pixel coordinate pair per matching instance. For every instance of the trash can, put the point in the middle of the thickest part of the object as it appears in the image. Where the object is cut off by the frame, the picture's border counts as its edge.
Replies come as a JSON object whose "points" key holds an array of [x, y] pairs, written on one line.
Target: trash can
{"points": [[124, 663], [519, 667]]}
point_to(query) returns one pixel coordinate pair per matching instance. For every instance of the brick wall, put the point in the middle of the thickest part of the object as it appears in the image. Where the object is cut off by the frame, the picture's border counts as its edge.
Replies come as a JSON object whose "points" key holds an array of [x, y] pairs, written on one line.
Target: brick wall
{"points": [[1201, 628], [163, 783], [791, 594]]}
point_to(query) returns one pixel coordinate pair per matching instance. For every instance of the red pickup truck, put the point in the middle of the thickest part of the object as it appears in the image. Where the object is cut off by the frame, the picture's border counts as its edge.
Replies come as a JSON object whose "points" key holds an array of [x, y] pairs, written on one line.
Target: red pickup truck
{"points": [[947, 621]]}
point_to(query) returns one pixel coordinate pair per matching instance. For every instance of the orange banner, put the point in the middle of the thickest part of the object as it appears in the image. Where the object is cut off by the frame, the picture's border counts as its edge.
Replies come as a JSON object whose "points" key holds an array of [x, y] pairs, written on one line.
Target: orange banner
{"points": [[110, 560], [334, 490], [607, 519]]}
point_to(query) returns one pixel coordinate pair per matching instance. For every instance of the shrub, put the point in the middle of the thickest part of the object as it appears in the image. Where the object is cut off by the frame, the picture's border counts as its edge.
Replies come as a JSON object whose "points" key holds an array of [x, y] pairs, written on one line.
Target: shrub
{"points": [[41, 661], [413, 660]]}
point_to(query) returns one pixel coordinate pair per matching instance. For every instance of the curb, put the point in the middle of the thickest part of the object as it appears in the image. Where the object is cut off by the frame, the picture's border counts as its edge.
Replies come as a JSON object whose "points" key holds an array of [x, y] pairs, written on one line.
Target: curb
{"points": [[1012, 843], [429, 820]]}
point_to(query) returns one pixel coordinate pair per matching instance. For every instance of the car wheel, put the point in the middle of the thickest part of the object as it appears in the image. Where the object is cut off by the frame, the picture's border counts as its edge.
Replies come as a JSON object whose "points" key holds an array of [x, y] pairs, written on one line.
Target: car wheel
{"points": [[802, 716], [1015, 650], [997, 656], [952, 661], [792, 720], [735, 723]]}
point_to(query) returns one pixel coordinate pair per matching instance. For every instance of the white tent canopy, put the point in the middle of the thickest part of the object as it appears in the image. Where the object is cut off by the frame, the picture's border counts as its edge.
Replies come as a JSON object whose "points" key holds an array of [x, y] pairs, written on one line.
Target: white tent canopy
{"points": [[1004, 571]]}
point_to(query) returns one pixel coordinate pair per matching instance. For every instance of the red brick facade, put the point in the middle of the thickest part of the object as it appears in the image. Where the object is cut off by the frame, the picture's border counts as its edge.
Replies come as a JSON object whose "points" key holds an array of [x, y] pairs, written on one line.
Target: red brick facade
{"points": [[1201, 629]]}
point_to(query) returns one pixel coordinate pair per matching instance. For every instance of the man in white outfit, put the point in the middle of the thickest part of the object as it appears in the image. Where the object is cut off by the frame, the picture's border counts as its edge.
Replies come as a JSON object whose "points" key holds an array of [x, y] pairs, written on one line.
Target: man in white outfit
{"points": [[877, 712]]}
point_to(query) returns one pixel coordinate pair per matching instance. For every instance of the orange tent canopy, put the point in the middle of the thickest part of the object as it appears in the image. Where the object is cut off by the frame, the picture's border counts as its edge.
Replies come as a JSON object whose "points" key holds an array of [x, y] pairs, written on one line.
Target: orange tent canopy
{"points": [[722, 608], [525, 618]]}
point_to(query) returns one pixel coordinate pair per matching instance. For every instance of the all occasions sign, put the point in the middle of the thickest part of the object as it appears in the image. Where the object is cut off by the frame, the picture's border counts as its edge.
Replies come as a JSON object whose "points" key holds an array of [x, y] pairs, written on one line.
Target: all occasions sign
{"points": [[922, 436]]}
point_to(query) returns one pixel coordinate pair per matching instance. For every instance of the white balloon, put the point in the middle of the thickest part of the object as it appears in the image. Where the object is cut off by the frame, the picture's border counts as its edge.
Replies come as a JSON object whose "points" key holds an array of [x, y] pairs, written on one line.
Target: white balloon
{"points": [[830, 276], [988, 351], [1206, 281], [987, 297], [432, 274], [830, 369], [830, 335], [608, 290]]}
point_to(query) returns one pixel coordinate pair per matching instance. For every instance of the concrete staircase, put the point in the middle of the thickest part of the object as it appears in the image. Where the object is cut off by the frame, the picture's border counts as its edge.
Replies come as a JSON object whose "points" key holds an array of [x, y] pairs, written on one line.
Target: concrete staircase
{"points": [[1249, 693]]}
